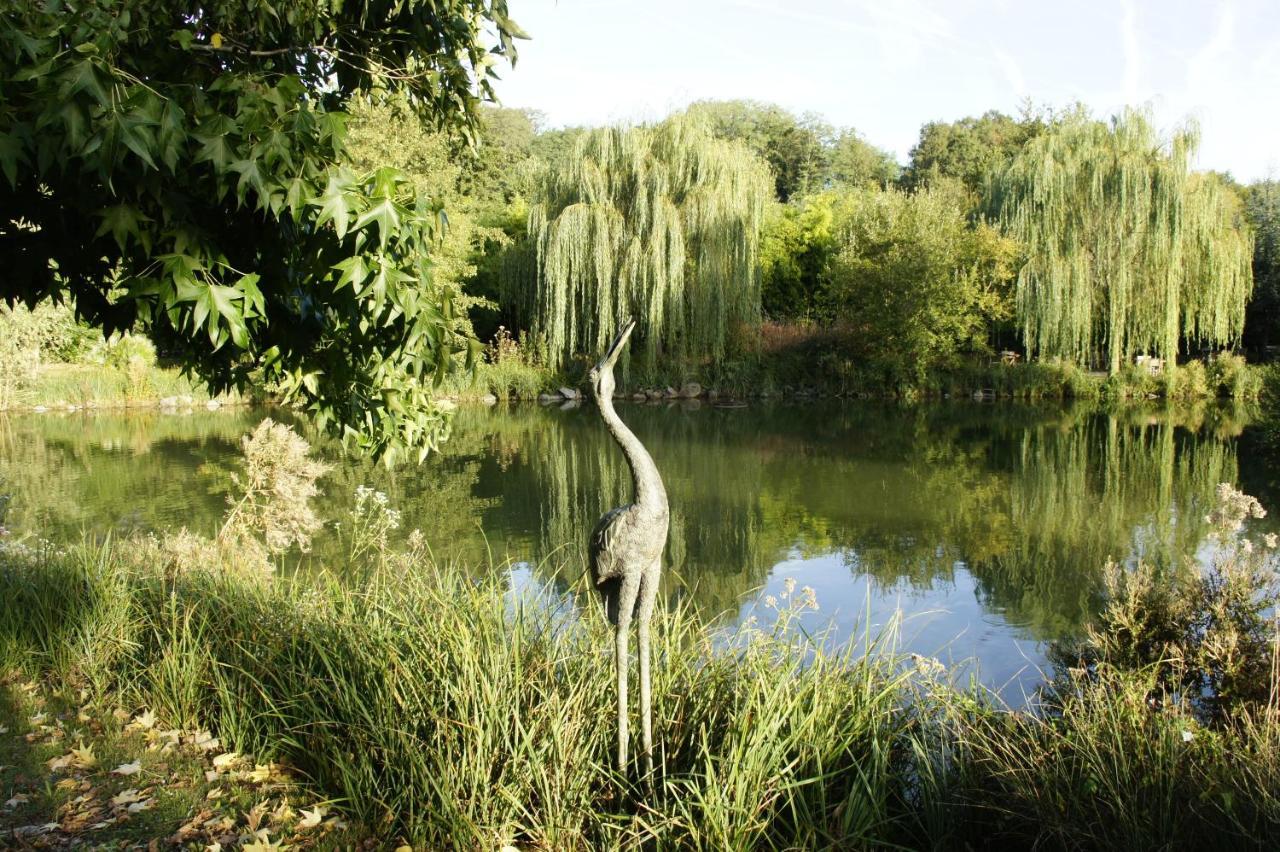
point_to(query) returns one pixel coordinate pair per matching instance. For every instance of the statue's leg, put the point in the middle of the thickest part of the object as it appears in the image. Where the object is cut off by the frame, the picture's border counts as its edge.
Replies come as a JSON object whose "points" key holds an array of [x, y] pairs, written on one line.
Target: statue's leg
{"points": [[648, 596], [627, 592]]}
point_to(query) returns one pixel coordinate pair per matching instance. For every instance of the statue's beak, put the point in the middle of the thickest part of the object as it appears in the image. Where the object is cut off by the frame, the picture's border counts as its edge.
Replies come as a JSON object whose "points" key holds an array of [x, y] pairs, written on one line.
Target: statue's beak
{"points": [[616, 347]]}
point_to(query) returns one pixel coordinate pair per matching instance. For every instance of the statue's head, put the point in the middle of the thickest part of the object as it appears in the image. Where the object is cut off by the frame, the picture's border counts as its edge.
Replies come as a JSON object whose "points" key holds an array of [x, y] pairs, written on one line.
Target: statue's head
{"points": [[601, 374]]}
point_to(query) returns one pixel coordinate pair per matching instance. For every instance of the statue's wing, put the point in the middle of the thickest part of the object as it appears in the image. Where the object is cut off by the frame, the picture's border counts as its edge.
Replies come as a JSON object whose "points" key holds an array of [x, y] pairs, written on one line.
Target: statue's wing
{"points": [[604, 559]]}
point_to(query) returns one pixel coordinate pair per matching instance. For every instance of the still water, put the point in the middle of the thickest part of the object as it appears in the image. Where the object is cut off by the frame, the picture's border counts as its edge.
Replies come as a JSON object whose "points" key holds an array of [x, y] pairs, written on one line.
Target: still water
{"points": [[985, 526]]}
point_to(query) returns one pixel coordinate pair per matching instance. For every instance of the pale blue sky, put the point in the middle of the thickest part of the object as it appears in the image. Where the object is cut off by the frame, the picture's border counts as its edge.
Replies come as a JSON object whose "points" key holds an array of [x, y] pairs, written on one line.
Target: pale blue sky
{"points": [[887, 66]]}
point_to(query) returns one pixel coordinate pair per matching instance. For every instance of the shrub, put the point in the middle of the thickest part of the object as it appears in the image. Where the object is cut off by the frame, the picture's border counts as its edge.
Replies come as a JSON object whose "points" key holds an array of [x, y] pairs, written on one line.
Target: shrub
{"points": [[1204, 634], [271, 495]]}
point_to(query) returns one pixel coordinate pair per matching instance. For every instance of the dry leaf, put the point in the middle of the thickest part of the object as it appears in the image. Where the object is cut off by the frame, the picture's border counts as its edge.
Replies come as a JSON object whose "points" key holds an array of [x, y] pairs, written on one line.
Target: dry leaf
{"points": [[128, 768], [144, 720], [215, 793], [83, 757], [17, 799], [225, 760], [125, 797], [57, 763], [254, 818], [261, 843], [311, 818], [139, 807], [261, 773]]}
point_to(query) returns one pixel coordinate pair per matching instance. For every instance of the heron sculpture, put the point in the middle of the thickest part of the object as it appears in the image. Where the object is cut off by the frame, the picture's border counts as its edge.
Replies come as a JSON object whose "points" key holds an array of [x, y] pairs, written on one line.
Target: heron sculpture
{"points": [[626, 552]]}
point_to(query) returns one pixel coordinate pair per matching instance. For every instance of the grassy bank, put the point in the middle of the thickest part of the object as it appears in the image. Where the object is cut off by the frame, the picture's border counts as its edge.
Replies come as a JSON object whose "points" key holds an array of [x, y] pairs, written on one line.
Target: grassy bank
{"points": [[90, 386], [444, 711]]}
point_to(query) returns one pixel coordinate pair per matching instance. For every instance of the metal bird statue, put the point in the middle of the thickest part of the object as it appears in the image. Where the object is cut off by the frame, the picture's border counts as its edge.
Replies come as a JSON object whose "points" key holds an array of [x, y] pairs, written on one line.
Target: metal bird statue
{"points": [[626, 552]]}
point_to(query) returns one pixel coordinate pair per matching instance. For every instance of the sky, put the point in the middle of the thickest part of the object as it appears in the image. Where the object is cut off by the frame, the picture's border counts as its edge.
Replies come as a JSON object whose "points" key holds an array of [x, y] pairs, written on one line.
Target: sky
{"points": [[885, 67]]}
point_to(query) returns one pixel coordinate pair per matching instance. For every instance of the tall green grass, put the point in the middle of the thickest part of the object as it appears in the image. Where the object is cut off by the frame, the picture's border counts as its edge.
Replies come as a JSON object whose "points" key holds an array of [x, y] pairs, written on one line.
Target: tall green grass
{"points": [[460, 714]]}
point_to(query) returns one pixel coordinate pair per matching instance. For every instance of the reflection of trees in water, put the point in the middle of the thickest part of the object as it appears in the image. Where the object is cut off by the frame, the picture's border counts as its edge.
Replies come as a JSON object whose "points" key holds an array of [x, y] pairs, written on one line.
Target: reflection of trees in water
{"points": [[1082, 493], [102, 473], [1031, 500]]}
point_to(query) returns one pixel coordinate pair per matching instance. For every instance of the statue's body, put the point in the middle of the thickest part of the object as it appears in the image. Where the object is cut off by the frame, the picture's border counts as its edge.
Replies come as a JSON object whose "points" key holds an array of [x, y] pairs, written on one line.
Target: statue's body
{"points": [[626, 553]]}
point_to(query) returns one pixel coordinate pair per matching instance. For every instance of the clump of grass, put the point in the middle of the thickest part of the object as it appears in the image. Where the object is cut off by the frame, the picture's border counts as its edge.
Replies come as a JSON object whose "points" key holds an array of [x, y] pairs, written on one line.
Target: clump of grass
{"points": [[441, 708]]}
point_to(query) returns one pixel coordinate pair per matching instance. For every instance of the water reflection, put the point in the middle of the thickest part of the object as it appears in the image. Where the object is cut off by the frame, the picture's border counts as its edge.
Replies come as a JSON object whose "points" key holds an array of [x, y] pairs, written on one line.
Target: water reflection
{"points": [[988, 524]]}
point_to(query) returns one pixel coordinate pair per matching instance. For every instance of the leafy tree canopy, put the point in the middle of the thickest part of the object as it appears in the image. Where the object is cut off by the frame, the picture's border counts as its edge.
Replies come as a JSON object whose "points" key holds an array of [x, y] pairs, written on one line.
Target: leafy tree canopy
{"points": [[805, 154], [969, 149], [914, 281], [1262, 207], [178, 167], [1127, 250], [661, 223]]}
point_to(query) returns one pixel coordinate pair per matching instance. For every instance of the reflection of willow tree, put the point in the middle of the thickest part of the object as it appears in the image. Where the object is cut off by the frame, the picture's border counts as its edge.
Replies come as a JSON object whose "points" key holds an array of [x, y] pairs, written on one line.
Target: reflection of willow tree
{"points": [[1032, 501], [1106, 488]]}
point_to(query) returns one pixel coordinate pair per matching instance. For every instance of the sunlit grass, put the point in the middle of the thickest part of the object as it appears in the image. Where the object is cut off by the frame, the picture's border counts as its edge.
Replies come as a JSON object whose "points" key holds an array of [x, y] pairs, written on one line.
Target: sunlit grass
{"points": [[457, 713]]}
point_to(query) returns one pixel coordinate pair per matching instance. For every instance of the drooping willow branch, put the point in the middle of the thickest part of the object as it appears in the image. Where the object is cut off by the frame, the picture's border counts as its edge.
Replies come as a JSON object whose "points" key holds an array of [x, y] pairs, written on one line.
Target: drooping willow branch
{"points": [[1128, 251], [661, 223]]}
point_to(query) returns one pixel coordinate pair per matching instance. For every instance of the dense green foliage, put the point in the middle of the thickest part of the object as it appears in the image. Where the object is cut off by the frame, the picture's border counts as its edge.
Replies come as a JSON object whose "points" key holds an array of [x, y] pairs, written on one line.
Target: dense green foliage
{"points": [[180, 171], [805, 154], [1128, 252], [970, 149], [1262, 207], [913, 281], [661, 223]]}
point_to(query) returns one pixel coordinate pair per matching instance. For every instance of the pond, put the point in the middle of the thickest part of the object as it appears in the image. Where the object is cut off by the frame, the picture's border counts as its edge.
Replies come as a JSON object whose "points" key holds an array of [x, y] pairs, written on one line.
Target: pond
{"points": [[985, 526]]}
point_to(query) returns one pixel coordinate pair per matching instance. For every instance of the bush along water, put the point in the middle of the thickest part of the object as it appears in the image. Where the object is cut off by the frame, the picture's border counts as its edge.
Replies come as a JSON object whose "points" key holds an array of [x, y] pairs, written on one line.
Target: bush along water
{"points": [[439, 705]]}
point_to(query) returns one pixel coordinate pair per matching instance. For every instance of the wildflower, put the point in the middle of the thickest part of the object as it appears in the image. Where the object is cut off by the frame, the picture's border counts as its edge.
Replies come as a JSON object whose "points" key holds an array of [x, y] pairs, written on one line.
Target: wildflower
{"points": [[789, 585], [771, 602], [808, 598], [1270, 540], [1187, 736], [1246, 546]]}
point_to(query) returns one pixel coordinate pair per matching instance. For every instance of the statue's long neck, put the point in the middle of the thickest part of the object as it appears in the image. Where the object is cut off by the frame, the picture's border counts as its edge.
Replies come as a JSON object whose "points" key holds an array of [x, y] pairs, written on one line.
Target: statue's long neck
{"points": [[644, 473]]}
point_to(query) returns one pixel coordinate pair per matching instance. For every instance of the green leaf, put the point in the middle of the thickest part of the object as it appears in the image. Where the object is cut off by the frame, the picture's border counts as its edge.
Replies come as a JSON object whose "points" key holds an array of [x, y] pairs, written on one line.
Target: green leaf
{"points": [[11, 154], [122, 221], [354, 272], [250, 176], [84, 76], [386, 213], [333, 204]]}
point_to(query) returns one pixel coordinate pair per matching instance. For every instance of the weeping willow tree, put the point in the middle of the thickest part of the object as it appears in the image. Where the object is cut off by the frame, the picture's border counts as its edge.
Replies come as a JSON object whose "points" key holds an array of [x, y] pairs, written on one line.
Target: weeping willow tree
{"points": [[1128, 251], [661, 223]]}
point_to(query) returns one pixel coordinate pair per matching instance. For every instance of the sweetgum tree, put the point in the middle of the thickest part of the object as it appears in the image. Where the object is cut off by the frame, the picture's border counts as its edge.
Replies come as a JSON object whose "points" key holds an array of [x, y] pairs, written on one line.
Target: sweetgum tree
{"points": [[176, 166]]}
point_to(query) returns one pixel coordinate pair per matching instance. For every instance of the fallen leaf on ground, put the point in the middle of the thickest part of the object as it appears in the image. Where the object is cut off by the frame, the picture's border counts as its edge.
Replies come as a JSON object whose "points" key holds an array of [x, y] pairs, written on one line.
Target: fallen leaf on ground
{"points": [[139, 807], [226, 759], [261, 773], [311, 818], [215, 793], [261, 843], [255, 815], [121, 715], [128, 768], [144, 720], [17, 799], [126, 797], [83, 757], [56, 763], [204, 740]]}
